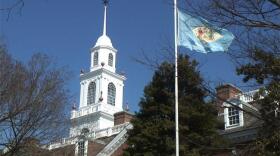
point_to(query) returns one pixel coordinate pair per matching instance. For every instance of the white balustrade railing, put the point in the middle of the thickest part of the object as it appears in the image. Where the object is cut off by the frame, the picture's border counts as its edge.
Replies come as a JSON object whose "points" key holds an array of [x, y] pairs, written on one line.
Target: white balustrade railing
{"points": [[92, 135], [248, 96], [92, 109], [116, 142], [62, 142]]}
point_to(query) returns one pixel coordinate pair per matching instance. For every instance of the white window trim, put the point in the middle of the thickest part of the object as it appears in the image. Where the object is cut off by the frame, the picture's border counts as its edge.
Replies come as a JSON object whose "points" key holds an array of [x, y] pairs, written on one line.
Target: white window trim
{"points": [[95, 58], [226, 117], [93, 94], [111, 99], [85, 148], [111, 60]]}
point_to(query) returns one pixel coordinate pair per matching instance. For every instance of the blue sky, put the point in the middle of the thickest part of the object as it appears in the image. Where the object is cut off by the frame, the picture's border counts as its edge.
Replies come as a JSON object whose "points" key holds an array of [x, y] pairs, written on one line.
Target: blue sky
{"points": [[67, 29]]}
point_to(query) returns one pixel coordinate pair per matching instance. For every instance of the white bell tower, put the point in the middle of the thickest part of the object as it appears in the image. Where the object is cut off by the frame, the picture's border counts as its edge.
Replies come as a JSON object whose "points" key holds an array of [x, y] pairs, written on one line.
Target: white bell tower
{"points": [[101, 94]]}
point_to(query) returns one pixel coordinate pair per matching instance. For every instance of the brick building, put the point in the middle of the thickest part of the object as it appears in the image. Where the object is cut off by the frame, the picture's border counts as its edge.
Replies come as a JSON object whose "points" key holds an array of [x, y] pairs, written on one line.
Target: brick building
{"points": [[238, 112], [105, 142]]}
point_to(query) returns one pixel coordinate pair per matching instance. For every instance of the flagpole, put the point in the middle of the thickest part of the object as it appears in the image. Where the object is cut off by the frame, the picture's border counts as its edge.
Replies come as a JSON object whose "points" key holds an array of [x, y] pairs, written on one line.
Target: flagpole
{"points": [[176, 78]]}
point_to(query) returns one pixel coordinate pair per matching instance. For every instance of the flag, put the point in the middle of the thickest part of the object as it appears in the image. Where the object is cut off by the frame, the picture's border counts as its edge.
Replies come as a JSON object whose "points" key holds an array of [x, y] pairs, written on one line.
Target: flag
{"points": [[198, 34]]}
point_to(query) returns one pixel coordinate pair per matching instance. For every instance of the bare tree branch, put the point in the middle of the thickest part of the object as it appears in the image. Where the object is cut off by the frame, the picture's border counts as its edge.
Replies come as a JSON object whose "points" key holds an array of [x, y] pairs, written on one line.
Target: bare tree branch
{"points": [[18, 4], [32, 102]]}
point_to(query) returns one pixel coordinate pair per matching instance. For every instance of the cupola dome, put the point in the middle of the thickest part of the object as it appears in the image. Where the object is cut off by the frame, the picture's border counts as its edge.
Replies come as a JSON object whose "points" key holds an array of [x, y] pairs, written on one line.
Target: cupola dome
{"points": [[103, 40]]}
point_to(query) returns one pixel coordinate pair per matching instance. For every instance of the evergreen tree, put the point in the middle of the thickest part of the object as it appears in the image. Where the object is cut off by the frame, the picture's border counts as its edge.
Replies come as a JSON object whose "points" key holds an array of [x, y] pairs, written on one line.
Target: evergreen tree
{"points": [[264, 68], [154, 126]]}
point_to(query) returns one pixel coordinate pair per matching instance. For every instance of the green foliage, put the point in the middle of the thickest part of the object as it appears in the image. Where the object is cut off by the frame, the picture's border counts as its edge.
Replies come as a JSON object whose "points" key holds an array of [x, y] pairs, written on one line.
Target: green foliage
{"points": [[265, 69], [154, 126], [269, 145]]}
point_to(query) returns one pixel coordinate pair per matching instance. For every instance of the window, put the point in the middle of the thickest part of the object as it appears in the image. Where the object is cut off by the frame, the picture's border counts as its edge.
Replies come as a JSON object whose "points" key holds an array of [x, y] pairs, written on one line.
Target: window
{"points": [[110, 60], [81, 148], [111, 94], [233, 116], [91, 93], [95, 59], [84, 131]]}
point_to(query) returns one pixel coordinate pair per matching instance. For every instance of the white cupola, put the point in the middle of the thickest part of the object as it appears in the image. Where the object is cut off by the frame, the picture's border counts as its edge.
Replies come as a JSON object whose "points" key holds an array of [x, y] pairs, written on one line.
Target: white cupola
{"points": [[103, 54]]}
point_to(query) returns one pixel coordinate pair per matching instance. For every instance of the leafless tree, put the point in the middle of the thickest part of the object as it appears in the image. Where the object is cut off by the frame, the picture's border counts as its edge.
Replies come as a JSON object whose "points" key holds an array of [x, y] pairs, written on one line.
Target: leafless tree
{"points": [[32, 101], [9, 6]]}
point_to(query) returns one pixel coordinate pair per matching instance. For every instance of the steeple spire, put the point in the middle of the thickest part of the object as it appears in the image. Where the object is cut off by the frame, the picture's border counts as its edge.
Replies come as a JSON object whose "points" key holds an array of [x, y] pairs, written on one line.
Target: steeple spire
{"points": [[105, 16], [104, 40]]}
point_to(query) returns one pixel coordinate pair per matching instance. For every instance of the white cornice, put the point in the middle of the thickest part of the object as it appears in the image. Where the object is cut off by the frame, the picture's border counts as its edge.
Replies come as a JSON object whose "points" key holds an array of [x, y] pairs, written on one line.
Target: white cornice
{"points": [[96, 114], [99, 72], [103, 47]]}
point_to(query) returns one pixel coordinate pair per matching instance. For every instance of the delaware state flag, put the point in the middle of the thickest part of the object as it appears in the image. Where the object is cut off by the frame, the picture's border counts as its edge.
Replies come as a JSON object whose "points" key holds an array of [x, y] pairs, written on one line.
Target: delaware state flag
{"points": [[198, 34]]}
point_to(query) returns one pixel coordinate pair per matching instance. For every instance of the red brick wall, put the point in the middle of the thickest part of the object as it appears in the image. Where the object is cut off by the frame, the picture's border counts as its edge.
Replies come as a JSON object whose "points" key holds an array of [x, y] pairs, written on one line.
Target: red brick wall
{"points": [[122, 117], [224, 92], [63, 151], [94, 148], [119, 151]]}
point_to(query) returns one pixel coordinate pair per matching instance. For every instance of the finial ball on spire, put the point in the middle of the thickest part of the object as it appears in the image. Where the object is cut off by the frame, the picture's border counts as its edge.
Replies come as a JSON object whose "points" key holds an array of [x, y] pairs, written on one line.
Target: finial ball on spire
{"points": [[106, 2]]}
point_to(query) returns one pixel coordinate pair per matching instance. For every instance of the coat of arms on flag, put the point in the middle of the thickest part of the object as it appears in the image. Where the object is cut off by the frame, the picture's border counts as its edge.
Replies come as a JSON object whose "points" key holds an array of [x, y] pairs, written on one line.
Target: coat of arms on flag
{"points": [[198, 34], [206, 34]]}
